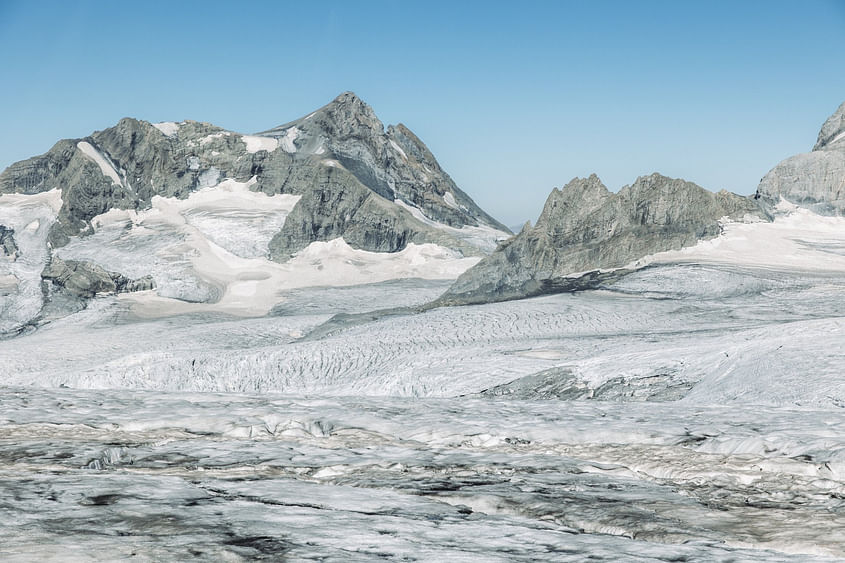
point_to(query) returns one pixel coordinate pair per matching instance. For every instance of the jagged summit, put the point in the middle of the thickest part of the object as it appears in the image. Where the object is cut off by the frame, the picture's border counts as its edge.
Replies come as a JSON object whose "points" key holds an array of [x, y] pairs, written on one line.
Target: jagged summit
{"points": [[584, 229], [833, 130], [393, 162], [815, 180], [346, 115], [179, 206]]}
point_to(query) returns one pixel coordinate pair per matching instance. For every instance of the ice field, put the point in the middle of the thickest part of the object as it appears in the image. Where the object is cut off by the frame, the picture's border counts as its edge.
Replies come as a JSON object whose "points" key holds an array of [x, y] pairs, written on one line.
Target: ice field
{"points": [[319, 410], [685, 413]]}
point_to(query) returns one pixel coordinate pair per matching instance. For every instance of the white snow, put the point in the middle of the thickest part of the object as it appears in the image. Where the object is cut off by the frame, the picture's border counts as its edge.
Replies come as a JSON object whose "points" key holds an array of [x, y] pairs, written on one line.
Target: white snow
{"points": [[219, 135], [484, 237], [216, 241], [31, 217], [168, 128], [837, 138], [375, 440], [796, 240], [286, 142], [106, 167], [252, 286], [449, 199], [255, 144], [398, 149]]}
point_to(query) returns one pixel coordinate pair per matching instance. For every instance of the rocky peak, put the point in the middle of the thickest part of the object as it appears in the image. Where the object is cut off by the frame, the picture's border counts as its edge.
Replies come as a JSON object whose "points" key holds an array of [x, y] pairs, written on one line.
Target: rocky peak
{"points": [[345, 117], [833, 130], [586, 233], [577, 196], [814, 180]]}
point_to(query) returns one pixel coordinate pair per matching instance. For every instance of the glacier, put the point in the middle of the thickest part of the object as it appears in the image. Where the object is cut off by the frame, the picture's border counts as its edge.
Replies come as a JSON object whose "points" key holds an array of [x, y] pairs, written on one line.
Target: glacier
{"points": [[691, 410]]}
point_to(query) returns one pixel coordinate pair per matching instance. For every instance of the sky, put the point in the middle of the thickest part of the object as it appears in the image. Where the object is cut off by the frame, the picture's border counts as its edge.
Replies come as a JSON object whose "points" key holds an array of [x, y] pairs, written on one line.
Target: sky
{"points": [[513, 98]]}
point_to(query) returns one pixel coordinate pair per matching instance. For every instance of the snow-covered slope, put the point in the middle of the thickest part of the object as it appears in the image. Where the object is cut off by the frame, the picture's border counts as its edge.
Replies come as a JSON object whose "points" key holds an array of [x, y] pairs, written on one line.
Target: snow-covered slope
{"points": [[207, 219]]}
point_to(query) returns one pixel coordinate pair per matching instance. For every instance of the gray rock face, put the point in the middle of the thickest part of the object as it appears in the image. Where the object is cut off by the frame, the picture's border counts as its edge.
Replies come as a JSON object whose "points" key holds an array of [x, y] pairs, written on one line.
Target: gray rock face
{"points": [[380, 189], [814, 180], [83, 279], [347, 169], [361, 170], [585, 228], [8, 246], [833, 129]]}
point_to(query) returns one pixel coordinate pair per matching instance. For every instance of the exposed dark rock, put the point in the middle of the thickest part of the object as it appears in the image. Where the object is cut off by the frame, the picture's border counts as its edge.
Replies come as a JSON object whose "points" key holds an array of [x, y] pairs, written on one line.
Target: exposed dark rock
{"points": [[8, 246], [83, 279]]}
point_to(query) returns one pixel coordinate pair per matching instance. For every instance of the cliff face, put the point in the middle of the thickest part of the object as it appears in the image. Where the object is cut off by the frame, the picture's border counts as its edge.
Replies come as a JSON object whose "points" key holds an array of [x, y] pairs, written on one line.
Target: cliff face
{"points": [[815, 180], [585, 228]]}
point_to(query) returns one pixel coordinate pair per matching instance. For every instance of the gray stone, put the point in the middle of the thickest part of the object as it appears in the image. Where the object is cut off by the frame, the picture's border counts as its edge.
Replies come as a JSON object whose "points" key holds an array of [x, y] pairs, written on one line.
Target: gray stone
{"points": [[833, 130], [83, 279], [347, 168], [584, 228], [8, 246], [814, 180]]}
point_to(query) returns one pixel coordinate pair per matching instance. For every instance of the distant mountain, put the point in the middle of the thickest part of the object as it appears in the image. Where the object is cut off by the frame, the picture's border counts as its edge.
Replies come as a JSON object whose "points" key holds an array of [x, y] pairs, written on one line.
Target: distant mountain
{"points": [[188, 208], [815, 180], [584, 229], [587, 235]]}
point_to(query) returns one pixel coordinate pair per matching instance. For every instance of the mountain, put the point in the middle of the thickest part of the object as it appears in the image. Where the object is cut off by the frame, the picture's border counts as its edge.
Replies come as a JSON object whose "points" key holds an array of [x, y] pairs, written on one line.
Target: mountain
{"points": [[206, 215], [584, 229], [586, 234], [815, 180]]}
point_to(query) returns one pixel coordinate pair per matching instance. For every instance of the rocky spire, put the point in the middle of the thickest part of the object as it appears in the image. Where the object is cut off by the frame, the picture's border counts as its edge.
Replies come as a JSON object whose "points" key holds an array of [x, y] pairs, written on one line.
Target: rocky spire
{"points": [[815, 180], [833, 130]]}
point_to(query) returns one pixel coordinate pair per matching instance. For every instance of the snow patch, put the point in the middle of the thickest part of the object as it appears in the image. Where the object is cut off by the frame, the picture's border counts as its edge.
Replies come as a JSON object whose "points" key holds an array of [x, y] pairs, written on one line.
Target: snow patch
{"points": [[31, 217], [168, 128], [193, 163], [105, 167], [286, 142], [208, 138], [398, 149], [255, 144], [797, 239], [483, 237], [837, 138]]}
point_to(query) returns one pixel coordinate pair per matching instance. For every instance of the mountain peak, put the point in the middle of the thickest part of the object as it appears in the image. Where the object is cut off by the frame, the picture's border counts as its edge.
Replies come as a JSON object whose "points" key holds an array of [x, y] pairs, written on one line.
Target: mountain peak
{"points": [[346, 115], [833, 130]]}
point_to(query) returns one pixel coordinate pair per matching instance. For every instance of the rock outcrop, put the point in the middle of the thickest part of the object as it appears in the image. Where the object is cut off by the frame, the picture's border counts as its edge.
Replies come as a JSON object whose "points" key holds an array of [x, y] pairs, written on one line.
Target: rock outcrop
{"points": [[83, 279], [8, 246], [584, 229], [815, 180]]}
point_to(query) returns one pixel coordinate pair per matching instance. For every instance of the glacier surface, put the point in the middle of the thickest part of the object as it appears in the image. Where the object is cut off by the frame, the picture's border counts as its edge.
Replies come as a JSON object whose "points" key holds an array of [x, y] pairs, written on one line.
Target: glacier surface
{"points": [[689, 411]]}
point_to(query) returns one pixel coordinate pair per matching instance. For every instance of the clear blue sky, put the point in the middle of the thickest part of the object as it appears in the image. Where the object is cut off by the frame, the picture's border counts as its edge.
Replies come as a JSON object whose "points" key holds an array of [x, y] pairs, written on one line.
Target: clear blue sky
{"points": [[514, 98]]}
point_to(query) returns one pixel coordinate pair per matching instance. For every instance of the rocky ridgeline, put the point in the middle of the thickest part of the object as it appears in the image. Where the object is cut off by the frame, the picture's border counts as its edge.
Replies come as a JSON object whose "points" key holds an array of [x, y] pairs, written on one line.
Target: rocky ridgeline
{"points": [[347, 169], [586, 234], [815, 180], [585, 228]]}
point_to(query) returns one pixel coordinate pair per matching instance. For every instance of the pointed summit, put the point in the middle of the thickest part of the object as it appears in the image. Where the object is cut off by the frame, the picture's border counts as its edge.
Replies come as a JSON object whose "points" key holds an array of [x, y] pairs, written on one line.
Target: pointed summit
{"points": [[345, 116], [833, 130], [815, 180]]}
